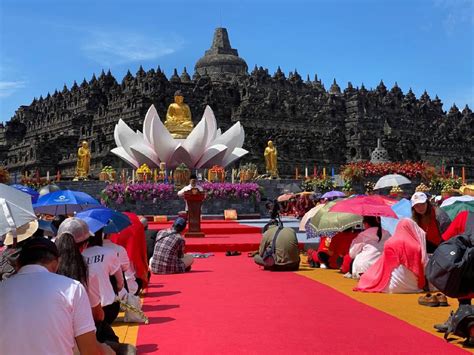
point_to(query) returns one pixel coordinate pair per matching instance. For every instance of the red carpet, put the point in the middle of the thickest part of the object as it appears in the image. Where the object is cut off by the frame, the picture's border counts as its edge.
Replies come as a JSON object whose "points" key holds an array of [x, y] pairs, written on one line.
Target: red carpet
{"points": [[220, 236], [227, 305]]}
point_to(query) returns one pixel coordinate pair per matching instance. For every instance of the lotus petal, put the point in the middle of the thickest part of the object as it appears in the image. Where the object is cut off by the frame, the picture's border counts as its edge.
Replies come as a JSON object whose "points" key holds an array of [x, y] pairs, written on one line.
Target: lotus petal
{"points": [[125, 137], [195, 143], [236, 154], [122, 154], [145, 154], [147, 123], [211, 124], [180, 155], [230, 138], [161, 140], [213, 153]]}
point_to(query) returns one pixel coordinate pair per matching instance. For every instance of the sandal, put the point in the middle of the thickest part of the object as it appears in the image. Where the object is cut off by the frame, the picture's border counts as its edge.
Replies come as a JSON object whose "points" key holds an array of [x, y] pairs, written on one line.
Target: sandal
{"points": [[232, 253]]}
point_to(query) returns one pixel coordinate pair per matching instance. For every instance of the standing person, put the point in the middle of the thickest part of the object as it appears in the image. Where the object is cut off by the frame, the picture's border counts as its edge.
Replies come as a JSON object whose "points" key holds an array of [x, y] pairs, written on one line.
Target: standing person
{"points": [[192, 185], [168, 256], [106, 264], [52, 311], [287, 257], [433, 220], [367, 247]]}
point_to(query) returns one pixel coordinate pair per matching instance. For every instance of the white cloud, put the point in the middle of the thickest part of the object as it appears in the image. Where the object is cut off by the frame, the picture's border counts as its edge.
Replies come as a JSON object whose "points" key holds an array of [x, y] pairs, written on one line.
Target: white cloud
{"points": [[7, 88], [108, 48], [456, 12]]}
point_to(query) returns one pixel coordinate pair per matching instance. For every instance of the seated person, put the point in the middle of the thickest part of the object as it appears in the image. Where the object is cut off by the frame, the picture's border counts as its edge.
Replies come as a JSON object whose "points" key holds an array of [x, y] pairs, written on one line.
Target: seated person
{"points": [[331, 251], [168, 255], [133, 240], [368, 246], [287, 256], [401, 268]]}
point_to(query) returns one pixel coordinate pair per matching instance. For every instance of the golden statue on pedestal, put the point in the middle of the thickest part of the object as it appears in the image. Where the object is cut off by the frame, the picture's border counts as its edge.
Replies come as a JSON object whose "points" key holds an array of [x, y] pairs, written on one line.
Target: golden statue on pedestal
{"points": [[83, 162], [270, 155], [178, 118]]}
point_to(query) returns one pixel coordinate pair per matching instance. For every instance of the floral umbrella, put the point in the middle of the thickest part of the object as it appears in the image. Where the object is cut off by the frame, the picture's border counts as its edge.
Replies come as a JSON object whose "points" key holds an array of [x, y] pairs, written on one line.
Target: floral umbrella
{"points": [[327, 223]]}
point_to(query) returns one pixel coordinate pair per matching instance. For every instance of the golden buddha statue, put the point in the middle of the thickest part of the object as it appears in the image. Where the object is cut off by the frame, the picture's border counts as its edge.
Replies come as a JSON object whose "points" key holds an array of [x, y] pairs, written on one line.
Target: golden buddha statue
{"points": [[83, 162], [270, 155], [178, 118]]}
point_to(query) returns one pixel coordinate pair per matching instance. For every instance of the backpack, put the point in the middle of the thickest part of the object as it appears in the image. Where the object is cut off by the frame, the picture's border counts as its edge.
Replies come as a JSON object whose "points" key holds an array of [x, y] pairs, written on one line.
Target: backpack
{"points": [[451, 267], [461, 322], [269, 257]]}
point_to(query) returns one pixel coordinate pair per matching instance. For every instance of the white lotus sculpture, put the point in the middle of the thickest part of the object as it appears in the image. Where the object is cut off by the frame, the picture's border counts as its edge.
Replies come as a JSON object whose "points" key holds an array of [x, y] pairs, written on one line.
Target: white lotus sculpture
{"points": [[205, 146]]}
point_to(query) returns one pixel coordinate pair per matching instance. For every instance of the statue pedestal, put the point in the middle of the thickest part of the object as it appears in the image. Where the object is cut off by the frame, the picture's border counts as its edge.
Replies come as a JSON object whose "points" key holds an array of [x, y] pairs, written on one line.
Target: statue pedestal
{"points": [[194, 200]]}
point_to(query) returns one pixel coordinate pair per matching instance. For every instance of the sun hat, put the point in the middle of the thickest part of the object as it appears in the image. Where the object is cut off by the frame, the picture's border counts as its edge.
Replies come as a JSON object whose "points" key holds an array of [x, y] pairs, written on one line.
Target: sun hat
{"points": [[418, 197], [76, 227], [23, 232]]}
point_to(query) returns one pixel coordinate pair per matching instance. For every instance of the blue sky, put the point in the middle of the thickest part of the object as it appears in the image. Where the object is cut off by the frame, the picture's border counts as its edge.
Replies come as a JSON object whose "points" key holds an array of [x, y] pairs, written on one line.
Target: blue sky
{"points": [[426, 44]]}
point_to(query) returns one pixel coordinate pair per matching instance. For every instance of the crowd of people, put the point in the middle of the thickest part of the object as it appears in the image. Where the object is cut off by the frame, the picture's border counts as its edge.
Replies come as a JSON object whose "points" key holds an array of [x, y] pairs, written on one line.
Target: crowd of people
{"points": [[65, 289]]}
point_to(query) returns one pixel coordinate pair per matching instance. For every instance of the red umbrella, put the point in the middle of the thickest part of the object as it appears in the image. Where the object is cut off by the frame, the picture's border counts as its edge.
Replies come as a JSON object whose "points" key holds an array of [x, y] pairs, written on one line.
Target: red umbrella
{"points": [[373, 205]]}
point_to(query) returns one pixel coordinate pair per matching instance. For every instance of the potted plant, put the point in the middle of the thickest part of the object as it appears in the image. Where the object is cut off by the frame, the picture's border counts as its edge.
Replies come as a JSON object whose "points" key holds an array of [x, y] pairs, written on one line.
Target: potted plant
{"points": [[107, 174], [181, 175], [216, 174]]}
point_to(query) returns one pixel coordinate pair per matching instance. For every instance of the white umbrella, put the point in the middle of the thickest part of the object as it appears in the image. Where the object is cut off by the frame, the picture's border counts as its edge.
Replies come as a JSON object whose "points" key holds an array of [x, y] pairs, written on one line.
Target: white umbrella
{"points": [[16, 209], [391, 180], [451, 200]]}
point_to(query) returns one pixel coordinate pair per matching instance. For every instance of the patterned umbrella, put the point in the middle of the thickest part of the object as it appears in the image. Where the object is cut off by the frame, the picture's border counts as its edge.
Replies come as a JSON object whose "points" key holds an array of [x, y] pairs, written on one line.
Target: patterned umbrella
{"points": [[327, 223]]}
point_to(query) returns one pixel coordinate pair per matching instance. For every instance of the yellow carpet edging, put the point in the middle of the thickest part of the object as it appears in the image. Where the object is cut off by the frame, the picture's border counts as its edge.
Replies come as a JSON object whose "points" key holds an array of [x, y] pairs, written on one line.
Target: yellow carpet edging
{"points": [[402, 306]]}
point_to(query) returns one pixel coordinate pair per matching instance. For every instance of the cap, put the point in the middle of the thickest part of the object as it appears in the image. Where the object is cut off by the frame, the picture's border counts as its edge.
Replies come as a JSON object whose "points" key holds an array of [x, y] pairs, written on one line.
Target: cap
{"points": [[179, 224], [39, 243], [418, 197], [23, 232], [76, 227]]}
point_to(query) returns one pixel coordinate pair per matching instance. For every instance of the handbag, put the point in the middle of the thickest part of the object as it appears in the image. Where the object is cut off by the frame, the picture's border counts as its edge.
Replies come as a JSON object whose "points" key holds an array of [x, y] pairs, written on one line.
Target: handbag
{"points": [[269, 254]]}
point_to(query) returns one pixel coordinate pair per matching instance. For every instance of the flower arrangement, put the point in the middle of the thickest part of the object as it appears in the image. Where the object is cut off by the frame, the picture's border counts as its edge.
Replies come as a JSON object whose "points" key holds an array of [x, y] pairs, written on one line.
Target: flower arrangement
{"points": [[4, 175], [358, 170], [107, 174], [216, 174], [347, 187], [439, 185], [121, 193], [181, 175], [248, 172], [320, 183], [34, 182], [242, 191]]}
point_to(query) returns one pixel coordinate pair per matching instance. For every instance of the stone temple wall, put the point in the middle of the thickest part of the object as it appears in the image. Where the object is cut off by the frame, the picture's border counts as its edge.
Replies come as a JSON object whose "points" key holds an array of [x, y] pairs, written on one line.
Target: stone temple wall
{"points": [[308, 124]]}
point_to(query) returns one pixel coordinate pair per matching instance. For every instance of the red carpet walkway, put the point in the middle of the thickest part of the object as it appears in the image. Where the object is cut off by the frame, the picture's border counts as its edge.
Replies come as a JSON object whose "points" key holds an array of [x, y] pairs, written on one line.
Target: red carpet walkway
{"points": [[220, 236], [227, 305]]}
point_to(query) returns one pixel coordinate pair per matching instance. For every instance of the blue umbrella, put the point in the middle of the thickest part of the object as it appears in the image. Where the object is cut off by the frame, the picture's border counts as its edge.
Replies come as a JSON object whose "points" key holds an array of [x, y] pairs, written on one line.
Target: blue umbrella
{"points": [[64, 202], [402, 209], [28, 190], [97, 218]]}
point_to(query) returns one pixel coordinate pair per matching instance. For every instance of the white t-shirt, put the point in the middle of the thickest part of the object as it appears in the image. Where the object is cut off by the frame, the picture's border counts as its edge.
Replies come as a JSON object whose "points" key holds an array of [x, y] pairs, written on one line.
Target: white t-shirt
{"points": [[93, 289], [104, 263], [188, 188], [127, 267], [42, 313]]}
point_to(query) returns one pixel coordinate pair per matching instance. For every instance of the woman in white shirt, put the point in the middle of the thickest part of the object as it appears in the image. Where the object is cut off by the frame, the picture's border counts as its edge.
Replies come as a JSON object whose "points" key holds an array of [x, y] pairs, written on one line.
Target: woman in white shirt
{"points": [[367, 247]]}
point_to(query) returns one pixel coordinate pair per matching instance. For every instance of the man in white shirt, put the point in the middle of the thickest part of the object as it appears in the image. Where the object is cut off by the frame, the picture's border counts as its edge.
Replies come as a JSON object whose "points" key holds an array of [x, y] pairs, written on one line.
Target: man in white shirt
{"points": [[192, 185], [52, 311]]}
